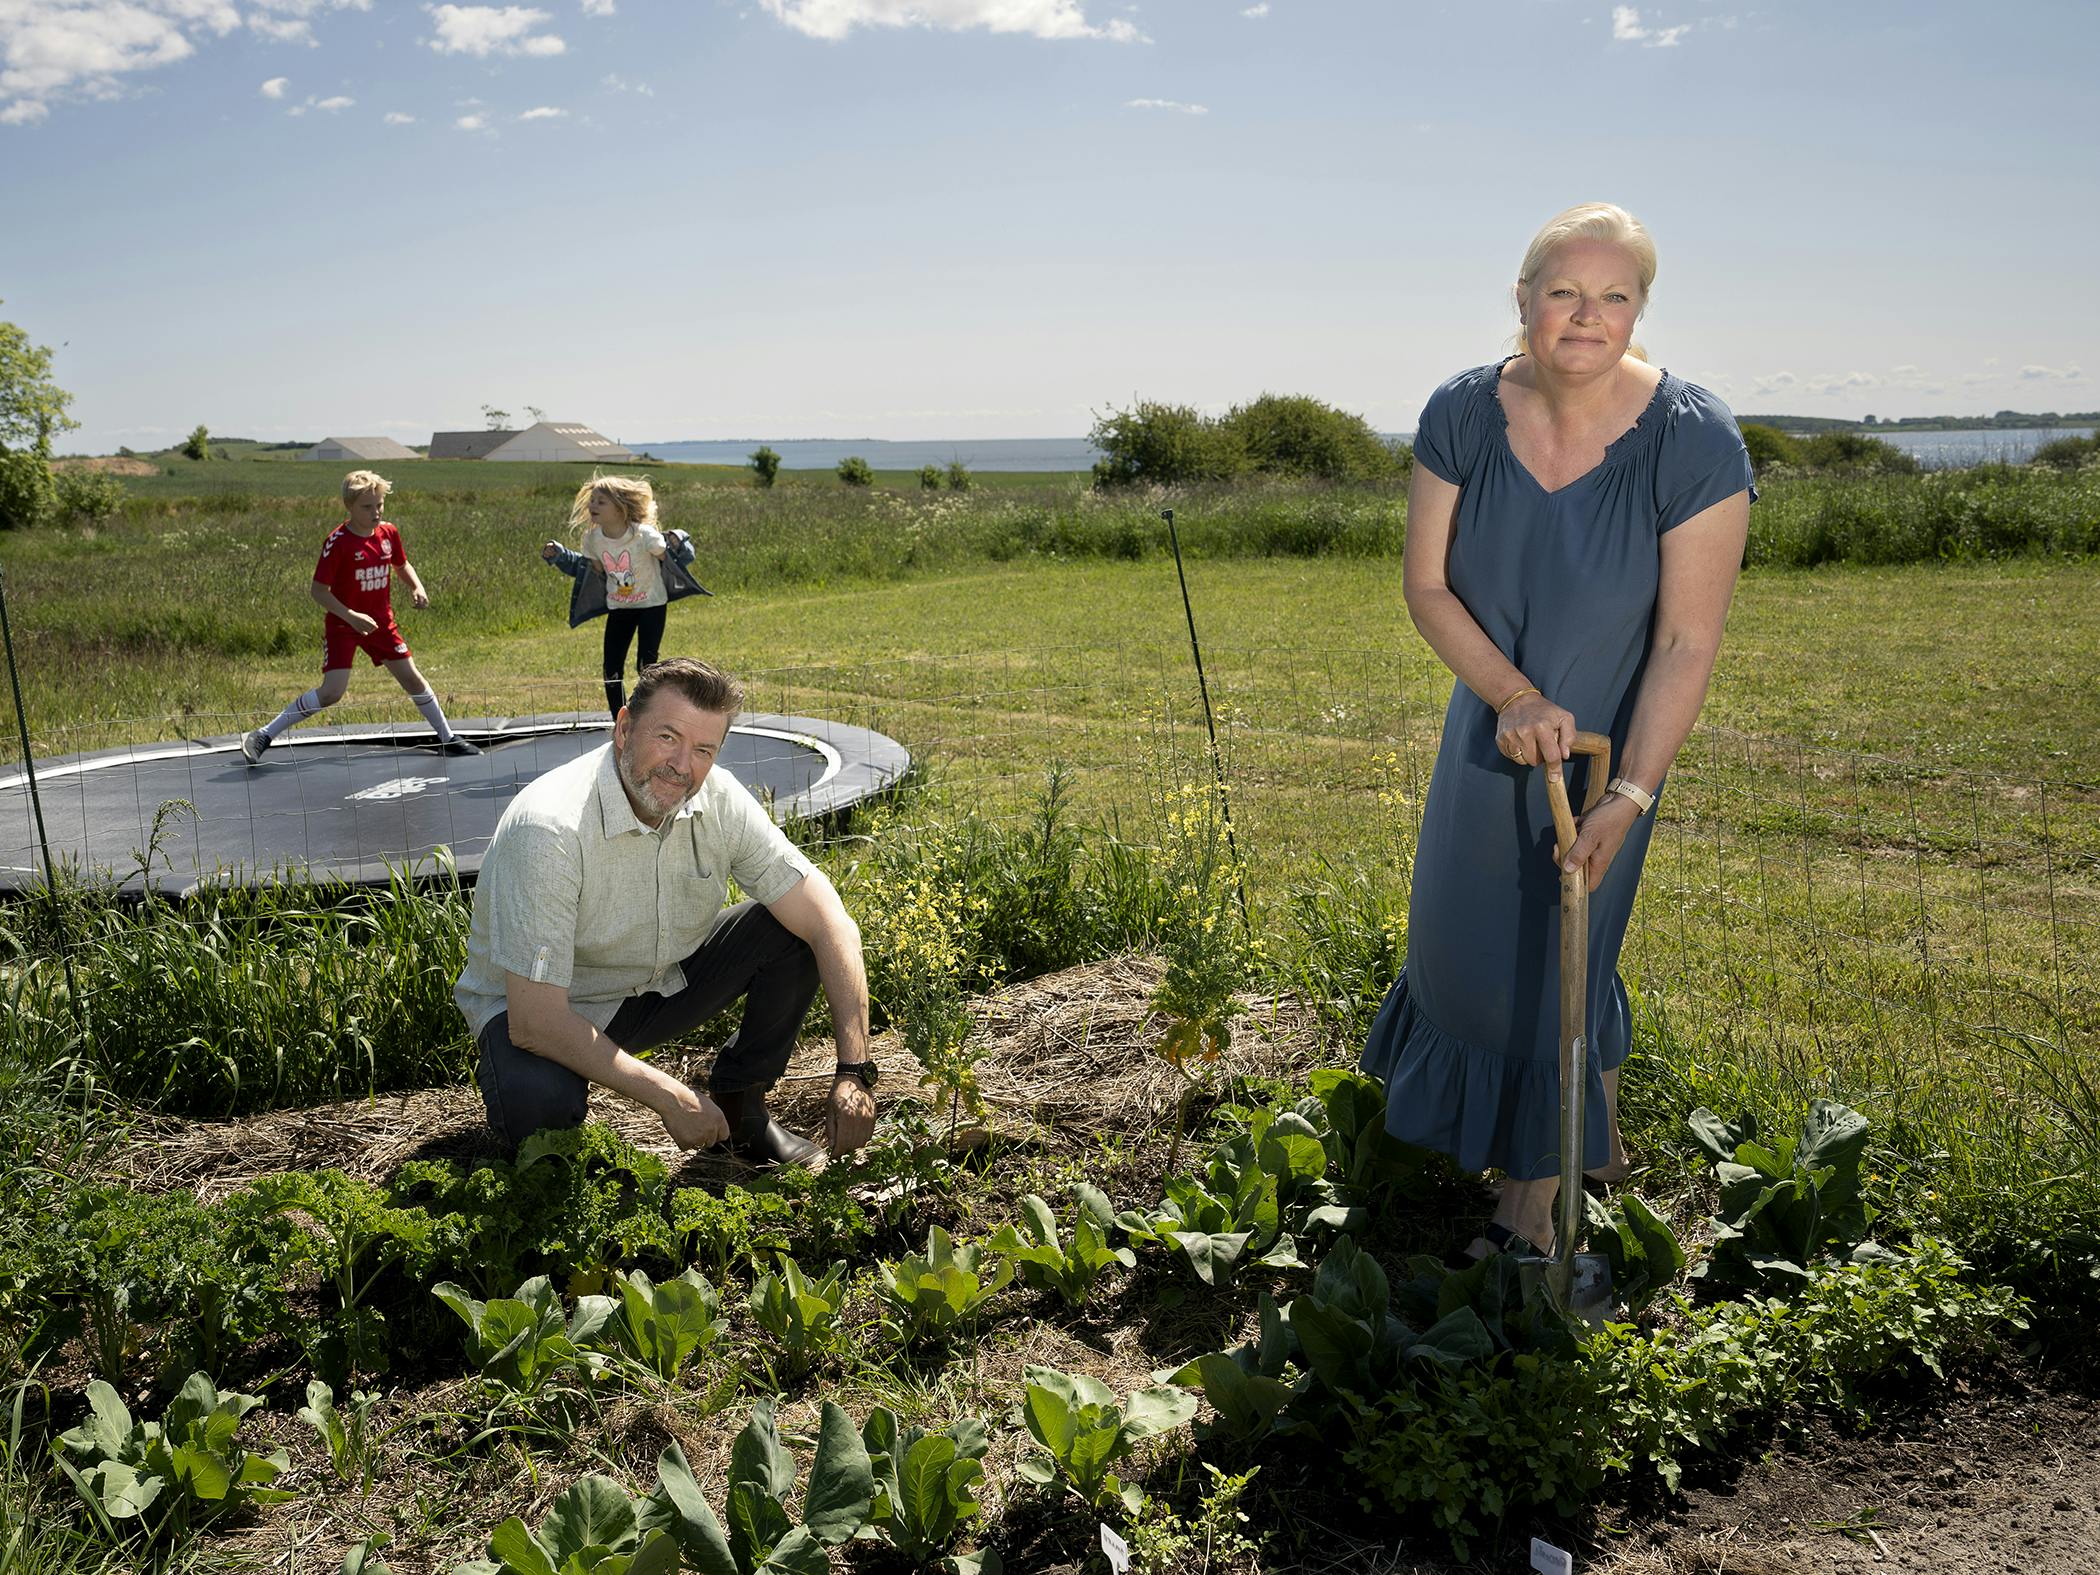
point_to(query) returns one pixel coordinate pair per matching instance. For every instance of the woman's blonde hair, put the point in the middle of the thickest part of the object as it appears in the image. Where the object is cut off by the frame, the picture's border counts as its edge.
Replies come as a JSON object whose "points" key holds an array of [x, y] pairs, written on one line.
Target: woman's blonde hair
{"points": [[1588, 221], [360, 482], [637, 500]]}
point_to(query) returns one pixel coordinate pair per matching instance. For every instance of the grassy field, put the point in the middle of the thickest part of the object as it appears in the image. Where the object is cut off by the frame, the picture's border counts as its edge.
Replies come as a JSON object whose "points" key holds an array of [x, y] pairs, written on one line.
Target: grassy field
{"points": [[1876, 874]]}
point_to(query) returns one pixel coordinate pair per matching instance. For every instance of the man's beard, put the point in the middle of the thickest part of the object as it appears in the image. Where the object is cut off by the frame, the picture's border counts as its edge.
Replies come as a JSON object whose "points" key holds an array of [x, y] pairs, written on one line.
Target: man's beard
{"points": [[663, 792]]}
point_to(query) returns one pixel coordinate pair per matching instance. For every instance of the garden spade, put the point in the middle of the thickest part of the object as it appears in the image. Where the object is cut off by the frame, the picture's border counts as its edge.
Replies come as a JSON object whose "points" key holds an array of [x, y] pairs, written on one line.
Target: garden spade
{"points": [[1579, 1283]]}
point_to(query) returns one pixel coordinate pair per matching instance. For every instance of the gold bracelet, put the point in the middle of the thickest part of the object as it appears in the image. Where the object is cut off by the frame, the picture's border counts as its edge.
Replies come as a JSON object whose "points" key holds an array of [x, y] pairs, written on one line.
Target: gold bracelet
{"points": [[1528, 689]]}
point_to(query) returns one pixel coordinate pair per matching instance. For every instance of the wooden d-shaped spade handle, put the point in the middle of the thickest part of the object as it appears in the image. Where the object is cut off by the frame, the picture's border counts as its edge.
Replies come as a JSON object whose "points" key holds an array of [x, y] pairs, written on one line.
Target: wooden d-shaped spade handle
{"points": [[1598, 747]]}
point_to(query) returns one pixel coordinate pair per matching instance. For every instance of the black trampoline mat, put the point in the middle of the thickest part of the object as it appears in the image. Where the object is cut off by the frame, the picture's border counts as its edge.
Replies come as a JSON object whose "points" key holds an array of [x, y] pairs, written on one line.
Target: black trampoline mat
{"points": [[358, 804]]}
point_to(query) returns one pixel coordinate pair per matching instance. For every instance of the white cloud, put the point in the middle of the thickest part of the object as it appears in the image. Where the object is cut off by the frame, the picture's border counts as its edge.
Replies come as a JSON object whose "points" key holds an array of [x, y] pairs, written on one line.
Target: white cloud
{"points": [[394, 117], [620, 84], [334, 104], [472, 123], [1257, 10], [1626, 28], [1167, 103], [545, 112], [483, 30], [274, 88], [2051, 374], [597, 7], [834, 19], [53, 50]]}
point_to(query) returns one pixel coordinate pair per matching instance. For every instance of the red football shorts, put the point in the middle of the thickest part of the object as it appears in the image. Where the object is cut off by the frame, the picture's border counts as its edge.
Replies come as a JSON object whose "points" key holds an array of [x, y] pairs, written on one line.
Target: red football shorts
{"points": [[340, 645]]}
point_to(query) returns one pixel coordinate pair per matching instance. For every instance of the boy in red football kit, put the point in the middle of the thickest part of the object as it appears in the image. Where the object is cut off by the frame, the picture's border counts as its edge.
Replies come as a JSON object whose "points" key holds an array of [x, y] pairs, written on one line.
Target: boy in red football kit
{"points": [[353, 585]]}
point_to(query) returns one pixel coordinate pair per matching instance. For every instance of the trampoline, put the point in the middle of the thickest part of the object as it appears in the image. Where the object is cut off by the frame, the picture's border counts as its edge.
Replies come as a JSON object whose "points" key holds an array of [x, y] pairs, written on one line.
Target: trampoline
{"points": [[359, 804]]}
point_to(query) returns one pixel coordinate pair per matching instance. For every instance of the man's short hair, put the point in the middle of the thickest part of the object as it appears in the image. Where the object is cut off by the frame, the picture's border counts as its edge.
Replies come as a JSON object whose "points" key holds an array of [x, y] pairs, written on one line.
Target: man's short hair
{"points": [[360, 482], [693, 681]]}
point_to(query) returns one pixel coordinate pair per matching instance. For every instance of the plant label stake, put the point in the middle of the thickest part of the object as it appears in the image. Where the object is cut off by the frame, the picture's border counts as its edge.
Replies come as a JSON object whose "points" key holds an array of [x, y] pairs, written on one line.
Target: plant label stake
{"points": [[1579, 1283]]}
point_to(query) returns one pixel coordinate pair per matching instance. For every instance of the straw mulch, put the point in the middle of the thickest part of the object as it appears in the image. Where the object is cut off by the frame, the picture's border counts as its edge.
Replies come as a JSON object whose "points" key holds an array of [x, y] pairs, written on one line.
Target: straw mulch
{"points": [[1066, 1060]]}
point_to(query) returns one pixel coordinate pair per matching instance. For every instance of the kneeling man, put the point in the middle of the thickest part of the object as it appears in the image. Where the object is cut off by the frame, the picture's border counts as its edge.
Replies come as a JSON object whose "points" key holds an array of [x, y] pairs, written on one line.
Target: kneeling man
{"points": [[598, 930]]}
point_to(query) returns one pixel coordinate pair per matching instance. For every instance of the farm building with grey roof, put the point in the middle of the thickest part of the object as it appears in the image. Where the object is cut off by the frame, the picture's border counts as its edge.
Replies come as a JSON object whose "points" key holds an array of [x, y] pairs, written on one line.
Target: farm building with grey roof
{"points": [[341, 448]]}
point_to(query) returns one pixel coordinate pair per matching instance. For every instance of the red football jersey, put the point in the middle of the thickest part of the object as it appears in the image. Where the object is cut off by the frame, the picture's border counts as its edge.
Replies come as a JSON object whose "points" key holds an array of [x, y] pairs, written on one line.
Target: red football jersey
{"points": [[360, 569]]}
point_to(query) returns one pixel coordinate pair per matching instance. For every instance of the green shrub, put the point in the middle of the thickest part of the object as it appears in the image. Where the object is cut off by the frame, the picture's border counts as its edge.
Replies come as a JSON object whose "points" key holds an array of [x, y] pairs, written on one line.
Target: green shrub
{"points": [[1858, 453], [86, 497], [1157, 445], [765, 464], [198, 444], [959, 477], [28, 492], [929, 478], [1770, 446], [856, 472], [2067, 453], [1295, 436]]}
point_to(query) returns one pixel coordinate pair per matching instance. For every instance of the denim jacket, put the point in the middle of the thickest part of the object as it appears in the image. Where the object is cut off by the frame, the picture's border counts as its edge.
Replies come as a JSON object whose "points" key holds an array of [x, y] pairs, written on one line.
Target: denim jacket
{"points": [[587, 600]]}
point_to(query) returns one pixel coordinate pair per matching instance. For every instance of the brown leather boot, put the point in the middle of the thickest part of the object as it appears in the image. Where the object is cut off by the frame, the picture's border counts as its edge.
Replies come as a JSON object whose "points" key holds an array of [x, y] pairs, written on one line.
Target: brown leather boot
{"points": [[755, 1137]]}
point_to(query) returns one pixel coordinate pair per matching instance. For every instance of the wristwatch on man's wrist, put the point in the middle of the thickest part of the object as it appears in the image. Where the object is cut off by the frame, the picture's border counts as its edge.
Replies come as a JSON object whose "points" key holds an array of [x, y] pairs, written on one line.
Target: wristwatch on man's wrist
{"points": [[862, 1072]]}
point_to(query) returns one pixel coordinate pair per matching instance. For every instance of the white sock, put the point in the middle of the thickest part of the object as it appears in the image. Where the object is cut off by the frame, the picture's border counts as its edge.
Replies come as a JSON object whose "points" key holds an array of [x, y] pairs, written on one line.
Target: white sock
{"points": [[292, 715], [434, 714]]}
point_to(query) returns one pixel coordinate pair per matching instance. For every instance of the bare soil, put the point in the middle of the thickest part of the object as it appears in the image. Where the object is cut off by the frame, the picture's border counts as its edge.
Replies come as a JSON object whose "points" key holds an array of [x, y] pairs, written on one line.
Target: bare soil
{"points": [[109, 465]]}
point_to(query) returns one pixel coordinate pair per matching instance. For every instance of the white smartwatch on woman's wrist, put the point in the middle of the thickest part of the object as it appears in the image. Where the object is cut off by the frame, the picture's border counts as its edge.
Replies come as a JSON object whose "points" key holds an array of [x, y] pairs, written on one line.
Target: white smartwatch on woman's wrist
{"points": [[1641, 799]]}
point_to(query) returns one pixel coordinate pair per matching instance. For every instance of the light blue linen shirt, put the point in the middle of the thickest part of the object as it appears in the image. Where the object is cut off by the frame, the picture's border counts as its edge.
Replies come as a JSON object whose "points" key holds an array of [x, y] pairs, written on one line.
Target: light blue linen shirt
{"points": [[576, 891]]}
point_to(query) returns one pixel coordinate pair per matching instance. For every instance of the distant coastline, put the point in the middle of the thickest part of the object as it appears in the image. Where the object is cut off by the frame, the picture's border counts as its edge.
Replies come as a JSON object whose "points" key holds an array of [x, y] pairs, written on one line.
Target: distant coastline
{"points": [[2004, 420]]}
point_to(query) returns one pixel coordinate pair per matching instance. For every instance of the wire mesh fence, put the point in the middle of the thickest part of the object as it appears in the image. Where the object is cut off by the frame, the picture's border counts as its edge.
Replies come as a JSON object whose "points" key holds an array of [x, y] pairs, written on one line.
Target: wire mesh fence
{"points": [[1800, 901]]}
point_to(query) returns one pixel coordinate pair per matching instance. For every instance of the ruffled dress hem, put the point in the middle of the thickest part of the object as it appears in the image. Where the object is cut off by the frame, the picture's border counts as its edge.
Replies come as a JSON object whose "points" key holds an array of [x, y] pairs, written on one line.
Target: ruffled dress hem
{"points": [[1487, 1109]]}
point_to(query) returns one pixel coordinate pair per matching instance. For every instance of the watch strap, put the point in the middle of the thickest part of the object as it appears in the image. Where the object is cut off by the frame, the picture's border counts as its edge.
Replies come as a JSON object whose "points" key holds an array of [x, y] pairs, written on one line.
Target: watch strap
{"points": [[1641, 799]]}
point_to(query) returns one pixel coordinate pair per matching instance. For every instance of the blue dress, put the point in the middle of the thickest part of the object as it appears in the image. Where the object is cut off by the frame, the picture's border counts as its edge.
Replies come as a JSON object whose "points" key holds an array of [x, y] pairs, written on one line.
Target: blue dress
{"points": [[1564, 583]]}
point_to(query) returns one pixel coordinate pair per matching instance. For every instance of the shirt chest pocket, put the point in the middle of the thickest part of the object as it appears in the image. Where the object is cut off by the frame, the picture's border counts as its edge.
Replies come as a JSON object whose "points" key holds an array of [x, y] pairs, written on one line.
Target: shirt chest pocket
{"points": [[695, 882]]}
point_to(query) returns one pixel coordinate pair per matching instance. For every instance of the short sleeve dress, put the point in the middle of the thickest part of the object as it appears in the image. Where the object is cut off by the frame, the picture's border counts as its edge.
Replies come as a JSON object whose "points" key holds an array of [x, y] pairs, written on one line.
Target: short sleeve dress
{"points": [[1564, 583]]}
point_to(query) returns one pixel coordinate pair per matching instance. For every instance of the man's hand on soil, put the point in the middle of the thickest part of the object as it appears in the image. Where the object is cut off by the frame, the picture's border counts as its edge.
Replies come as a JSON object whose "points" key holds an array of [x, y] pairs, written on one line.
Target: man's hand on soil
{"points": [[695, 1121], [849, 1120]]}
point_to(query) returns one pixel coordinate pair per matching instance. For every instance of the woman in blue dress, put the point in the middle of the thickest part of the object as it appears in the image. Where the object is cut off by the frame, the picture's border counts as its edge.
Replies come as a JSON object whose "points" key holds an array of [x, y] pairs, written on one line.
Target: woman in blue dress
{"points": [[1574, 529]]}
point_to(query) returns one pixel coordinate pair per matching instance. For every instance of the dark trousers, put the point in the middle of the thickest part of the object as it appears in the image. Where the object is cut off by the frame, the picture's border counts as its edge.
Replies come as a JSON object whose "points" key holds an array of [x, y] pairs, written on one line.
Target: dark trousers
{"points": [[748, 954], [644, 628]]}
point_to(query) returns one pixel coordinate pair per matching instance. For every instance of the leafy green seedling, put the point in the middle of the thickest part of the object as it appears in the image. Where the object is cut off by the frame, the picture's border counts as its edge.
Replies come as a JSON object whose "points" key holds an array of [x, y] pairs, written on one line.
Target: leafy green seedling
{"points": [[801, 1313], [1369, 1163], [1245, 1385], [170, 1475], [593, 1528], [925, 1487], [1083, 1432], [663, 1326], [522, 1342], [1217, 1232], [762, 1538], [1787, 1204], [931, 1297], [1044, 1259], [347, 1439], [1643, 1251]]}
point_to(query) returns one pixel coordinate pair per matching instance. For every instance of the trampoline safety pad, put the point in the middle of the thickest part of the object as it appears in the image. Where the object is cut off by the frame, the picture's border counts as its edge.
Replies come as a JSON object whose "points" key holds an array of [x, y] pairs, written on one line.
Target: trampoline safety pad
{"points": [[359, 804]]}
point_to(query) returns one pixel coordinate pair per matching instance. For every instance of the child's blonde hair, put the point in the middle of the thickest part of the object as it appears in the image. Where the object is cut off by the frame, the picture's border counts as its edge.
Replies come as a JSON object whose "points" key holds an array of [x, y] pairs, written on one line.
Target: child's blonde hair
{"points": [[360, 482], [637, 500]]}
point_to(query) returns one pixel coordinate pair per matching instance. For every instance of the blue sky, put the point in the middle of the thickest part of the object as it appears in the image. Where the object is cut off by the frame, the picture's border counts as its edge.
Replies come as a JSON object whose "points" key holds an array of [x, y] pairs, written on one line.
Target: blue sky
{"points": [[975, 218]]}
